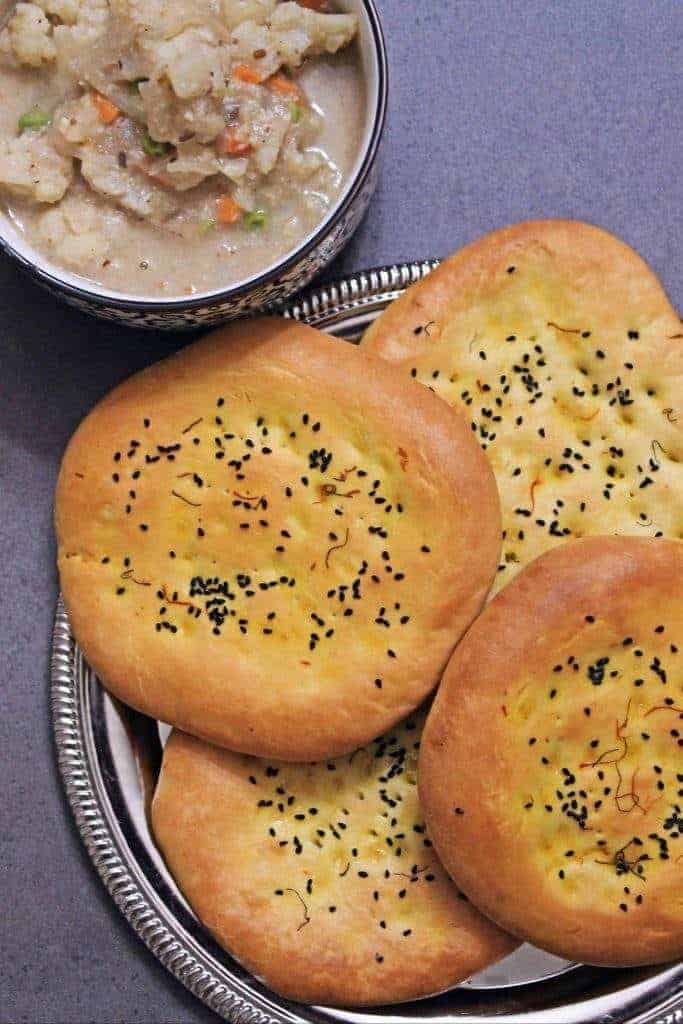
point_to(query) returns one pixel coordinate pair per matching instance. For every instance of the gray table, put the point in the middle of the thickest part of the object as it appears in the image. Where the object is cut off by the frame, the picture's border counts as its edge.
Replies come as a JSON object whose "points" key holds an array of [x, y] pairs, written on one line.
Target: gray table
{"points": [[499, 112]]}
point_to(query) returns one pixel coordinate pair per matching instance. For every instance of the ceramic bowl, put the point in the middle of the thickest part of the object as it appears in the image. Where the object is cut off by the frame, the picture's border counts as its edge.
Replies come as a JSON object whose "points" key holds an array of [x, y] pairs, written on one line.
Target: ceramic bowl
{"points": [[276, 282]]}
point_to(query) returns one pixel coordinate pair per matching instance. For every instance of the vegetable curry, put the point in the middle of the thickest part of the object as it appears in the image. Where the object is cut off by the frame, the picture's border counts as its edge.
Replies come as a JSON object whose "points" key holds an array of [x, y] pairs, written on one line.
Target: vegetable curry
{"points": [[162, 148]]}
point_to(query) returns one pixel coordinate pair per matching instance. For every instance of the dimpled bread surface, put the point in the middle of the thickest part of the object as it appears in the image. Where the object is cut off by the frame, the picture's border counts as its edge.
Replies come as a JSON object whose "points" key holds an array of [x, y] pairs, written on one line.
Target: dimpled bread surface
{"points": [[551, 768], [560, 346], [273, 541], [320, 879]]}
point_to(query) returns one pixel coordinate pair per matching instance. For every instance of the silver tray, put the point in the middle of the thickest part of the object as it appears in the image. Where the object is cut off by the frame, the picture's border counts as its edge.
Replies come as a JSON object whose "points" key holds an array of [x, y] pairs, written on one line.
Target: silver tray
{"points": [[109, 757]]}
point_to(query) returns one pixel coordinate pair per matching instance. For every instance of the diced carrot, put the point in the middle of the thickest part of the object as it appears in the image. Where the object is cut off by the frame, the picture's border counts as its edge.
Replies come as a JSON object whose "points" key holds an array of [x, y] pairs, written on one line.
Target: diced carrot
{"points": [[229, 143], [313, 5], [228, 212], [284, 86], [107, 111], [243, 73]]}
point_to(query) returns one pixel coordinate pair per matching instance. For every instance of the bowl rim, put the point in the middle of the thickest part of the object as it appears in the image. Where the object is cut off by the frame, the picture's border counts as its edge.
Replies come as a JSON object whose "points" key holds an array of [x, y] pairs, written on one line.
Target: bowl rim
{"points": [[91, 294]]}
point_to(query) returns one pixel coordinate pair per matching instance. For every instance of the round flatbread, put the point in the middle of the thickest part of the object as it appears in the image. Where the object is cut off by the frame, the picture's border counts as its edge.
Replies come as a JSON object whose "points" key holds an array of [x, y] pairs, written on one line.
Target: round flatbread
{"points": [[559, 344], [551, 770], [273, 541], [320, 879]]}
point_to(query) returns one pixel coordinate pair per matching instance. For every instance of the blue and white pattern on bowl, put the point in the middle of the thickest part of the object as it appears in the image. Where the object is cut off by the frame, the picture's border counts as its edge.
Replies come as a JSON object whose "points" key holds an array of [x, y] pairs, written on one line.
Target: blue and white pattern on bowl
{"points": [[277, 283]]}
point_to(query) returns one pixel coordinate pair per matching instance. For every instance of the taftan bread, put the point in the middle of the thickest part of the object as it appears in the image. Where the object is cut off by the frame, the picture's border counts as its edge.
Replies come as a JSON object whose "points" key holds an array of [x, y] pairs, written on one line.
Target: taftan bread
{"points": [[551, 768], [321, 878], [558, 343], [273, 541]]}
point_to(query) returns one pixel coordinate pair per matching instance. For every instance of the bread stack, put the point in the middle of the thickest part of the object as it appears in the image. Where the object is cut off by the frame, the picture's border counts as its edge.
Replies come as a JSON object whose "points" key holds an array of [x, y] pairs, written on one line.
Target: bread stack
{"points": [[281, 545]]}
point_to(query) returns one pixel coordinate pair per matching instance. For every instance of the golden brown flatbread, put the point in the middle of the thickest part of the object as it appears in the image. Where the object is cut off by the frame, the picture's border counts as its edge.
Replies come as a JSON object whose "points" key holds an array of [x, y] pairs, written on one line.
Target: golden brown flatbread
{"points": [[319, 878], [273, 541], [558, 343], [551, 769]]}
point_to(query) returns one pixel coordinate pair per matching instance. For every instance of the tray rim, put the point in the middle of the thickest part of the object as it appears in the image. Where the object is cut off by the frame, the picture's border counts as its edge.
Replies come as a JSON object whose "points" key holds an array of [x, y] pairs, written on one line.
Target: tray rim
{"points": [[77, 763]]}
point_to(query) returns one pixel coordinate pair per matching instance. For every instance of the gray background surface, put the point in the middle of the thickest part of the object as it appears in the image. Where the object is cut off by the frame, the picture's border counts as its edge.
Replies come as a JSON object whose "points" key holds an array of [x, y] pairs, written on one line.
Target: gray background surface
{"points": [[500, 111]]}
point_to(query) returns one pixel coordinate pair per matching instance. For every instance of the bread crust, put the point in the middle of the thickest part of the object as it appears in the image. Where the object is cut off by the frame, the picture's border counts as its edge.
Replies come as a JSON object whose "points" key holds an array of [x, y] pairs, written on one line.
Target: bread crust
{"points": [[301, 913], [156, 491], [551, 772], [559, 344]]}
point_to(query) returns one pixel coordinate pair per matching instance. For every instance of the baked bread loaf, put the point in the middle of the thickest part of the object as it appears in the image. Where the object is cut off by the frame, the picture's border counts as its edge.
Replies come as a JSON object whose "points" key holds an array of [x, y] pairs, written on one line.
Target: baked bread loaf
{"points": [[320, 879], [551, 768], [273, 541], [558, 343]]}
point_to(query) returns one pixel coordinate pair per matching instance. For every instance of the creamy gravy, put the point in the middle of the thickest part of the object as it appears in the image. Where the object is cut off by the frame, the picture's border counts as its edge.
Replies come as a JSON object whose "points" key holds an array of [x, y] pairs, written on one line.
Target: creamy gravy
{"points": [[191, 250]]}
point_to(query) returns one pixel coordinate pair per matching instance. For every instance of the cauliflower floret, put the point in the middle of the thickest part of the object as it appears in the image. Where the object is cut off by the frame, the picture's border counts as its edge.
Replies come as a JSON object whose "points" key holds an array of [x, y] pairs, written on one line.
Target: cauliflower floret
{"points": [[78, 233], [105, 175], [291, 33], [193, 165], [79, 121], [266, 132], [28, 36], [30, 167], [326, 33], [170, 119], [66, 10], [192, 61], [73, 40], [234, 12], [250, 38], [164, 19], [234, 168]]}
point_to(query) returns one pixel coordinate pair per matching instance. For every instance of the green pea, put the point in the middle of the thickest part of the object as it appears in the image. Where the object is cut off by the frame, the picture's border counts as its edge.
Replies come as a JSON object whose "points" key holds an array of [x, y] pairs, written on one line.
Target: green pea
{"points": [[154, 148], [34, 119], [134, 86], [256, 219], [206, 224], [296, 113]]}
